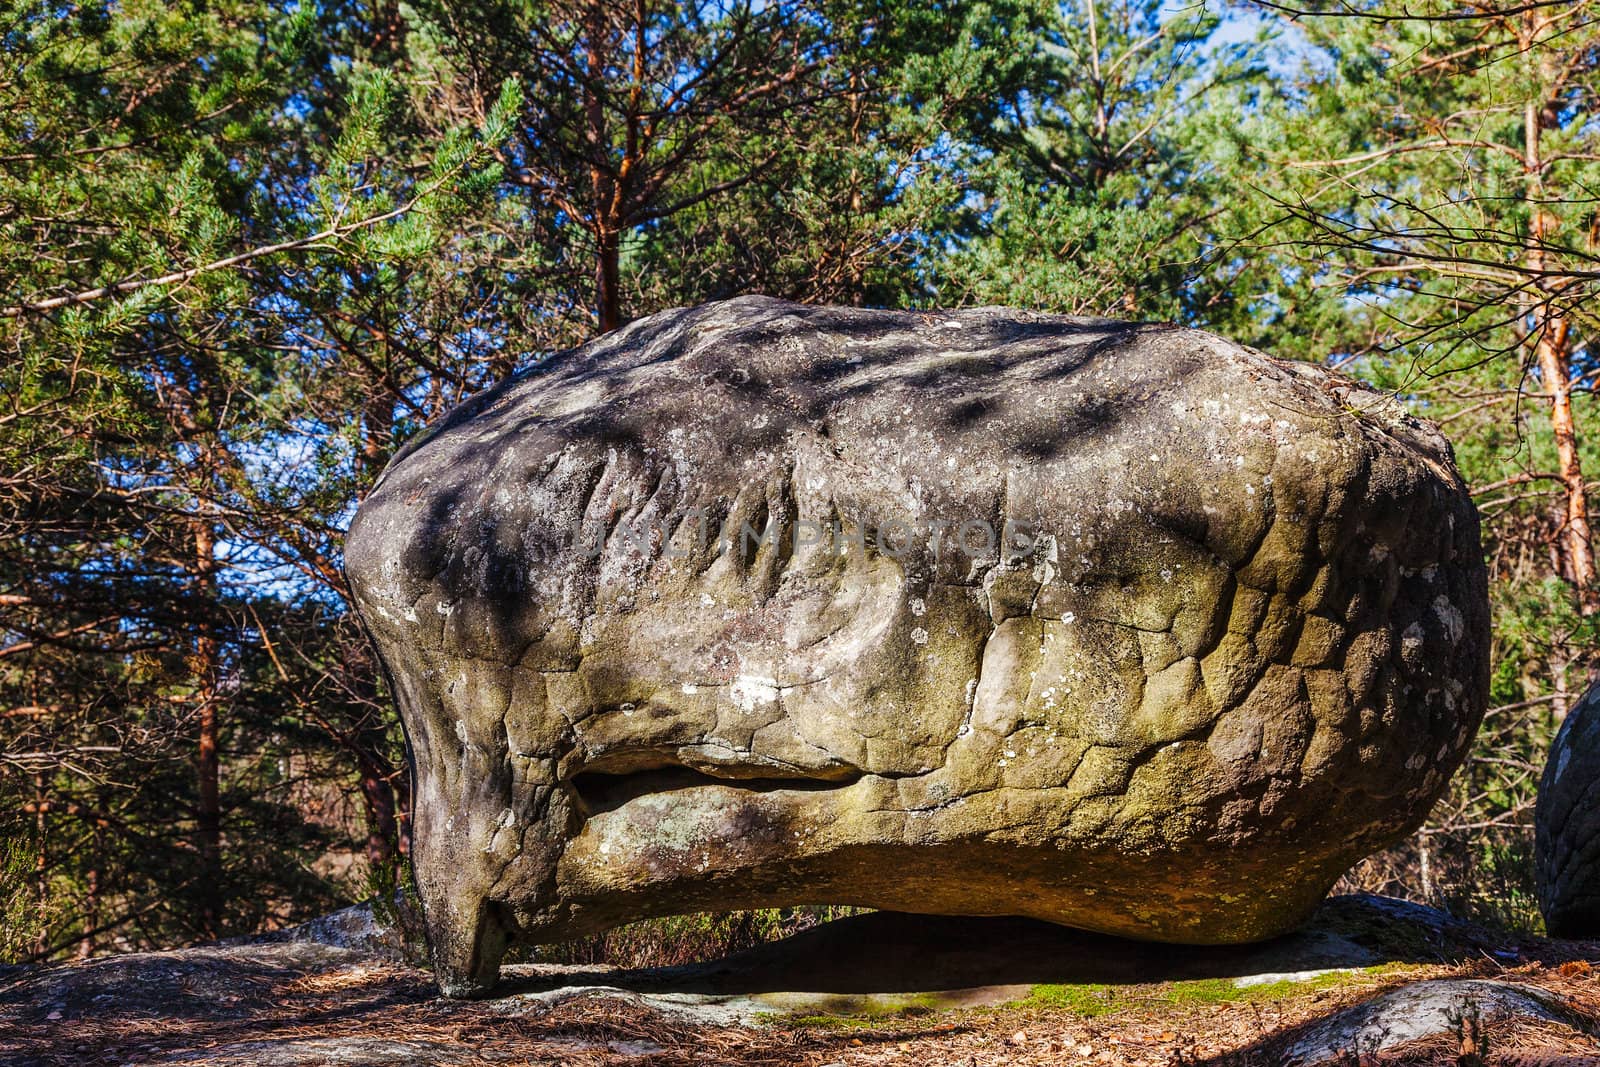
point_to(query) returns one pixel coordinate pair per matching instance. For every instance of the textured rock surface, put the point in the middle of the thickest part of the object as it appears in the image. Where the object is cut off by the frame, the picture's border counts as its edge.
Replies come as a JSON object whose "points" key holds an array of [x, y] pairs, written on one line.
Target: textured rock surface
{"points": [[1245, 646], [1418, 1012], [1567, 825]]}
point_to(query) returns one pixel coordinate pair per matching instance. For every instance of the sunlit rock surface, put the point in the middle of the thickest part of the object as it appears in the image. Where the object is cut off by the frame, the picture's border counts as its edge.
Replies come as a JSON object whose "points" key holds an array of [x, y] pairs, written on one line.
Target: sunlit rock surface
{"points": [[1567, 825], [1121, 626]]}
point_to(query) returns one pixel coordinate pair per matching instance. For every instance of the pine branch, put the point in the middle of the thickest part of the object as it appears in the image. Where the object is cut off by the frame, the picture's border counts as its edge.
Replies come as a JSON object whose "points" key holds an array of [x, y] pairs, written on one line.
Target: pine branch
{"points": [[133, 285]]}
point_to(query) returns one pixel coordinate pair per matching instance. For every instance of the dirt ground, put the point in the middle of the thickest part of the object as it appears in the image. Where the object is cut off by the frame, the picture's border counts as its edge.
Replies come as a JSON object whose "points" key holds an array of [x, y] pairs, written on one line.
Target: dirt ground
{"points": [[1427, 991]]}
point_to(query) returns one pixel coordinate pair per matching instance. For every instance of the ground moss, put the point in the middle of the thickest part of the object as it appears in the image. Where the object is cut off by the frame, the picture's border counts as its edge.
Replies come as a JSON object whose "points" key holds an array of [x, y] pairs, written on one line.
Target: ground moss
{"points": [[1085, 1000], [1091, 1000]]}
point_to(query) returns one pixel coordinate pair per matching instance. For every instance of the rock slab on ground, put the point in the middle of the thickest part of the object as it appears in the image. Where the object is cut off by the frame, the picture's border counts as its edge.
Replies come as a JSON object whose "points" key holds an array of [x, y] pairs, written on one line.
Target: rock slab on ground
{"points": [[1419, 1011], [985, 612]]}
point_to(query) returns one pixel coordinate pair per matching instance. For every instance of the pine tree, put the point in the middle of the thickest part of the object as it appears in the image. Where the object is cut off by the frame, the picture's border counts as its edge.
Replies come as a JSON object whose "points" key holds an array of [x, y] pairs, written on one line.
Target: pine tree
{"points": [[1102, 173]]}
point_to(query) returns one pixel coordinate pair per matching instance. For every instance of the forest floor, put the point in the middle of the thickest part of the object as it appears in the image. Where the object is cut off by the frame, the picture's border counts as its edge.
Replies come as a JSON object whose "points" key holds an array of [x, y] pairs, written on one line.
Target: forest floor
{"points": [[1370, 981]]}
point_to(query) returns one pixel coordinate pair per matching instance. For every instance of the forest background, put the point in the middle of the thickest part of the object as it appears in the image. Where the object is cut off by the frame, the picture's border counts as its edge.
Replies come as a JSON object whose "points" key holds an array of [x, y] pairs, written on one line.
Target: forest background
{"points": [[249, 247]]}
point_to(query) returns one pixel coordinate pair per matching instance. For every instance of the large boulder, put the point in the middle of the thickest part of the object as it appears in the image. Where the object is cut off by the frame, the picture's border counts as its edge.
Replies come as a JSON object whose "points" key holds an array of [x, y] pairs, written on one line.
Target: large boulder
{"points": [[1121, 626], [1566, 823]]}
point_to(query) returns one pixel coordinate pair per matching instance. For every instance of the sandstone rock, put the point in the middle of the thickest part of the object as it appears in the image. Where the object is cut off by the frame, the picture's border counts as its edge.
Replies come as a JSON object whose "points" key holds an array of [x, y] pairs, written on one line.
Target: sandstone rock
{"points": [[1122, 626], [1567, 825], [1418, 1012]]}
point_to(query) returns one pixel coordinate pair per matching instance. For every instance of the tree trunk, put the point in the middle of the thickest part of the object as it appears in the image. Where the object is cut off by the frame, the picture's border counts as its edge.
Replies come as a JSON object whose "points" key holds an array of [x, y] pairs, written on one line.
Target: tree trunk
{"points": [[1560, 698], [377, 430], [377, 798], [400, 786], [91, 890], [206, 672], [608, 278], [1425, 852], [1549, 333], [603, 186], [91, 906], [1555, 369], [41, 867]]}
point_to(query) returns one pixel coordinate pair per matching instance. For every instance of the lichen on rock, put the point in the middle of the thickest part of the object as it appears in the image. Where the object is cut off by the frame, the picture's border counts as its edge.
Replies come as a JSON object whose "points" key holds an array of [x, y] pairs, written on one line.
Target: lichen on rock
{"points": [[976, 612]]}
